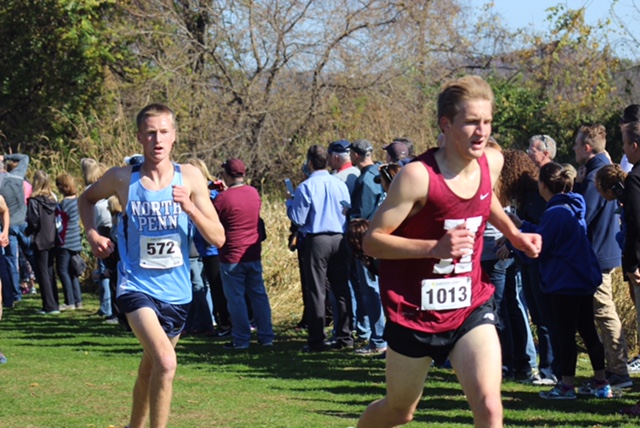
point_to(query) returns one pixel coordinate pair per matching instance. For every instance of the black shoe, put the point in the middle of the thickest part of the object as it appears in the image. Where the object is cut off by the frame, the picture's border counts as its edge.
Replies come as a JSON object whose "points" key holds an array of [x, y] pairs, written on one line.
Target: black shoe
{"points": [[338, 346], [222, 332], [234, 347], [310, 350]]}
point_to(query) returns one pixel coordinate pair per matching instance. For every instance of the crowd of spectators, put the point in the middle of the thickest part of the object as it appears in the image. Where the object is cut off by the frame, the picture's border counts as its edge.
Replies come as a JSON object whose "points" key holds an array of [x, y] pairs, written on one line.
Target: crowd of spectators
{"points": [[587, 217]]}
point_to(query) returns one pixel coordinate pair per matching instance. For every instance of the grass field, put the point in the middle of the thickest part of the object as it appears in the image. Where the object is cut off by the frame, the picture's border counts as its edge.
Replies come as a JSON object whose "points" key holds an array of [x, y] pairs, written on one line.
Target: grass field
{"points": [[72, 370]]}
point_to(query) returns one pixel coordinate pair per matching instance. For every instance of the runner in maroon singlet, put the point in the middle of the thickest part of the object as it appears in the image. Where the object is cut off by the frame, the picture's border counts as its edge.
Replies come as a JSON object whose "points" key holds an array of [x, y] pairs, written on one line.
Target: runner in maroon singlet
{"points": [[428, 235]]}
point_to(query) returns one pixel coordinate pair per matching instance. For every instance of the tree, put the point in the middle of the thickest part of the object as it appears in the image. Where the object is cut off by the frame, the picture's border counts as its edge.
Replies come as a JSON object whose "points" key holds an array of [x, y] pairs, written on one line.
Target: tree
{"points": [[262, 79], [52, 62], [551, 83]]}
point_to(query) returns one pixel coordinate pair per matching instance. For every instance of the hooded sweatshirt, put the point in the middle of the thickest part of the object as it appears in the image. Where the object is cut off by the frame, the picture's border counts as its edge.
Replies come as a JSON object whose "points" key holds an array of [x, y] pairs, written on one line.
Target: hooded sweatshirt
{"points": [[41, 222], [568, 264]]}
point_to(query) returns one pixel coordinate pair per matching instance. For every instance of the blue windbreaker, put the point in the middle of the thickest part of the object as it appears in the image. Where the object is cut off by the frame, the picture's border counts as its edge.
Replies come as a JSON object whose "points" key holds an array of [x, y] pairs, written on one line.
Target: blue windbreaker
{"points": [[568, 264]]}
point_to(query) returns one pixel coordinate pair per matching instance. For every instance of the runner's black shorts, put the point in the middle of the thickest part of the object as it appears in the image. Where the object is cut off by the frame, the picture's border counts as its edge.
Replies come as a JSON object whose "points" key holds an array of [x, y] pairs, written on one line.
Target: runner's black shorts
{"points": [[417, 344]]}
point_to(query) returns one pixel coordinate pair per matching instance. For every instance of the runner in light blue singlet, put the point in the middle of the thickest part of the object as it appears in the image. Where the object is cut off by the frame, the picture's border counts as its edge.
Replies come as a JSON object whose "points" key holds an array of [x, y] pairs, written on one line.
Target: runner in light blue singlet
{"points": [[155, 259]]}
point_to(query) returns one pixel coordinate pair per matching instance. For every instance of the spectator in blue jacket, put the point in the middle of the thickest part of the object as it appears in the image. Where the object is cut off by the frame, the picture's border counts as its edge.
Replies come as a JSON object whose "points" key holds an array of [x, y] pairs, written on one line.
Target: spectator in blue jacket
{"points": [[570, 274], [366, 198], [603, 224]]}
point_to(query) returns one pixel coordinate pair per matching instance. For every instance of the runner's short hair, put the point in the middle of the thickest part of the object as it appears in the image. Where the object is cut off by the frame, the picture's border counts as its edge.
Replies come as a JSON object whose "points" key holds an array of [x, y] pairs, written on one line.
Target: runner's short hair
{"points": [[456, 92], [153, 110]]}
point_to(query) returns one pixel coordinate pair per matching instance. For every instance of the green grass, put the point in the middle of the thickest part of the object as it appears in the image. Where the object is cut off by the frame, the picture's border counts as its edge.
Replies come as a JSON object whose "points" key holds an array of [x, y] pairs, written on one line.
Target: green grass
{"points": [[72, 370]]}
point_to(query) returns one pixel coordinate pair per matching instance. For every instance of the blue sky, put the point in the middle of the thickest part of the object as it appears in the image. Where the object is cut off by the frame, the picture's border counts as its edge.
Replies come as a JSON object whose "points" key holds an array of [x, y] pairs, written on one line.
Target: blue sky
{"points": [[528, 13]]}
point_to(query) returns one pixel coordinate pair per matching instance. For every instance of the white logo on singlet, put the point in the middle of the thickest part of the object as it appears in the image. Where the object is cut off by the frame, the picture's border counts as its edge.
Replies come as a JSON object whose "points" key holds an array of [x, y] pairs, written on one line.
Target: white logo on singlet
{"points": [[446, 266]]}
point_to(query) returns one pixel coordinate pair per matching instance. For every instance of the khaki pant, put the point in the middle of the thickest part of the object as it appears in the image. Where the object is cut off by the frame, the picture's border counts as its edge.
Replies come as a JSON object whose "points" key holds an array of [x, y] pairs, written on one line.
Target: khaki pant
{"points": [[610, 327]]}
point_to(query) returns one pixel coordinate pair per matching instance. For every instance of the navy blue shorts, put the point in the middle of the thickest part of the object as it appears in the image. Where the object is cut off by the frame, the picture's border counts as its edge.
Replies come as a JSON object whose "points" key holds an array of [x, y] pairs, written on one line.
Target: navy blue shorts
{"points": [[418, 344], [172, 317]]}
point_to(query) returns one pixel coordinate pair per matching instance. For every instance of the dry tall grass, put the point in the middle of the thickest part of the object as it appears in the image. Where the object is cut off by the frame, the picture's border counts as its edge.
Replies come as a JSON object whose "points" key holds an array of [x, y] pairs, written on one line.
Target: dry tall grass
{"points": [[281, 274]]}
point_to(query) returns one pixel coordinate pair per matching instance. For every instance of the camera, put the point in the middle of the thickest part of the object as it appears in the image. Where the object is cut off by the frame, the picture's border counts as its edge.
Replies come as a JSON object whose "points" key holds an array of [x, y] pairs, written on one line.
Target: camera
{"points": [[216, 185]]}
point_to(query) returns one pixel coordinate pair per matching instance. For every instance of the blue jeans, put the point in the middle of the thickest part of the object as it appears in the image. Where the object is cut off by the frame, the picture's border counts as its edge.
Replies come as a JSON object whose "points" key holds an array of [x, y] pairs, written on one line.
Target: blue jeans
{"points": [[238, 280], [17, 239], [200, 317], [539, 305], [518, 350], [105, 291], [70, 284], [372, 305], [359, 318], [7, 287], [525, 356]]}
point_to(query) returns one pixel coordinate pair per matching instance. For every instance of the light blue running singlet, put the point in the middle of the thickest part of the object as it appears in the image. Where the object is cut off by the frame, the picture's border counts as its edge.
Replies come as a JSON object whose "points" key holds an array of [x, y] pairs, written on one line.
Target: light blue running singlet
{"points": [[153, 243]]}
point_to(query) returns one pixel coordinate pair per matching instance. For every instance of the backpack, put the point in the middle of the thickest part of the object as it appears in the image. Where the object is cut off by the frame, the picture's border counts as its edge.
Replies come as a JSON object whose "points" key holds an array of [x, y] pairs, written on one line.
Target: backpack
{"points": [[62, 224]]}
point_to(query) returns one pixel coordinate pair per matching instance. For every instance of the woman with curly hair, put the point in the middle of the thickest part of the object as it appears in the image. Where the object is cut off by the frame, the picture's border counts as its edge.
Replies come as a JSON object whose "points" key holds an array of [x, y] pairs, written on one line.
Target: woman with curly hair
{"points": [[519, 177], [517, 188]]}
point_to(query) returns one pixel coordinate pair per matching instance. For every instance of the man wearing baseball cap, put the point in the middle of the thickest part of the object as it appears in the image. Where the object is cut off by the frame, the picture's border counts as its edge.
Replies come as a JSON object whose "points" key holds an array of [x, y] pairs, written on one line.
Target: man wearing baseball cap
{"points": [[240, 257], [396, 152], [340, 163], [367, 196]]}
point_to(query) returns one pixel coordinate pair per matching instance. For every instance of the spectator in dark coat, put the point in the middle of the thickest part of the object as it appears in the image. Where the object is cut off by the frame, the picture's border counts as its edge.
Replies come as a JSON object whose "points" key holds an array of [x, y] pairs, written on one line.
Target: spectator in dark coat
{"points": [[41, 225]]}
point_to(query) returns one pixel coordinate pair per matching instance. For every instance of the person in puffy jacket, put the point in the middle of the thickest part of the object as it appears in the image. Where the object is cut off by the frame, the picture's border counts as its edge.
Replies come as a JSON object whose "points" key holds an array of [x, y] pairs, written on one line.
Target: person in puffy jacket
{"points": [[41, 225], [570, 274]]}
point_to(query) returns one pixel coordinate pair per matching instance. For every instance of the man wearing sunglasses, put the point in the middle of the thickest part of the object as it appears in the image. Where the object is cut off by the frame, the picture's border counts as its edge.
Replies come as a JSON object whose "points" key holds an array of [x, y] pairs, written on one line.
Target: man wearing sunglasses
{"points": [[542, 149]]}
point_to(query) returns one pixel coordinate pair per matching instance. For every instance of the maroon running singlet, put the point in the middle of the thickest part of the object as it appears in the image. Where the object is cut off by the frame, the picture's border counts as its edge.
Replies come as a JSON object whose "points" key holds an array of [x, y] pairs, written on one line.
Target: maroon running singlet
{"points": [[430, 295]]}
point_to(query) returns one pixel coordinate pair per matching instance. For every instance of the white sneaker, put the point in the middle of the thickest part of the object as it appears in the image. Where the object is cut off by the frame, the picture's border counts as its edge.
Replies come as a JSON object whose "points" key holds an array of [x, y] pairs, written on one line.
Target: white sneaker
{"points": [[548, 378], [545, 381], [634, 365], [536, 379]]}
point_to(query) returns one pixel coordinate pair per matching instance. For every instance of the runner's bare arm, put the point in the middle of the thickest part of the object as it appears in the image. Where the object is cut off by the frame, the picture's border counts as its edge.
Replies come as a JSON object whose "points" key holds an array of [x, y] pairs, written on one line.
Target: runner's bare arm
{"points": [[496, 161], [114, 181], [195, 201], [407, 195]]}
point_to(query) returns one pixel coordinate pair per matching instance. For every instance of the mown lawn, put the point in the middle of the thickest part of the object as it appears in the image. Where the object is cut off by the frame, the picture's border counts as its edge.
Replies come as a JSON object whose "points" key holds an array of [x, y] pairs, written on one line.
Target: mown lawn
{"points": [[72, 370]]}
